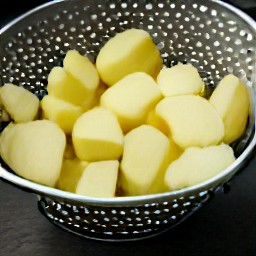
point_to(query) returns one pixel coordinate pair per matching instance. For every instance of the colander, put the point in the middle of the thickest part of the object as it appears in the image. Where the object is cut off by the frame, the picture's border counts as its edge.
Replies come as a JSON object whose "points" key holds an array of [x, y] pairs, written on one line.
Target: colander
{"points": [[214, 36]]}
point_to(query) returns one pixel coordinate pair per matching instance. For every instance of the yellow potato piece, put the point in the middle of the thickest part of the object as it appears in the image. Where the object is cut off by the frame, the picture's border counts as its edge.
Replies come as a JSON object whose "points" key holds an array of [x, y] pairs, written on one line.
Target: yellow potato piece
{"points": [[175, 150], [99, 179], [21, 104], [129, 51], [34, 150], [99, 91], [4, 116], [65, 87], [97, 136], [231, 99], [131, 99], [75, 82], [155, 120], [62, 112], [180, 79], [69, 152], [145, 158], [196, 165], [84, 71], [192, 120], [71, 172]]}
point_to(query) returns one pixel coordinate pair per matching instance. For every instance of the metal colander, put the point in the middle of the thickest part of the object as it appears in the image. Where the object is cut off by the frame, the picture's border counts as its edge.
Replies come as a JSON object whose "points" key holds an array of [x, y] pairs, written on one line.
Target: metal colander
{"points": [[215, 37]]}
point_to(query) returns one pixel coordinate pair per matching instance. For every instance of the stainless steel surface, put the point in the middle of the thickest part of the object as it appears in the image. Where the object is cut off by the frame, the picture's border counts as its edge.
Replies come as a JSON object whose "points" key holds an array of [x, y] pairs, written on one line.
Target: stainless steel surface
{"points": [[215, 37]]}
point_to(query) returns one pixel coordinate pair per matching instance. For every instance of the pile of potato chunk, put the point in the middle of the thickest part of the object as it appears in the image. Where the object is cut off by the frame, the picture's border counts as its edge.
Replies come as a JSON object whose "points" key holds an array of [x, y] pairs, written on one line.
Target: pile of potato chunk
{"points": [[125, 125]]}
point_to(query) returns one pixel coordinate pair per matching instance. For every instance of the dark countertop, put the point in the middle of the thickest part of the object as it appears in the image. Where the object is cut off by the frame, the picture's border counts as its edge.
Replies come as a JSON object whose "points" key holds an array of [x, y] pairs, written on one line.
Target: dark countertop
{"points": [[224, 226]]}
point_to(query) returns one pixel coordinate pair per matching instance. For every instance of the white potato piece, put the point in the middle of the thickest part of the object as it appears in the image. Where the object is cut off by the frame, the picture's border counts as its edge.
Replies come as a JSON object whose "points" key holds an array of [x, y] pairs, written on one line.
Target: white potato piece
{"points": [[34, 150], [97, 136], [21, 104], [132, 50], [192, 120], [231, 99], [60, 111], [131, 99], [196, 165], [145, 158], [180, 79], [99, 179]]}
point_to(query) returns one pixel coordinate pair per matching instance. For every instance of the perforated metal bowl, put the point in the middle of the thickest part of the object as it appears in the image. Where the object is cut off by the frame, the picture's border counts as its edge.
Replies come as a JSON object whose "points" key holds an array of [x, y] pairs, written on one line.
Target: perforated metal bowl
{"points": [[215, 37]]}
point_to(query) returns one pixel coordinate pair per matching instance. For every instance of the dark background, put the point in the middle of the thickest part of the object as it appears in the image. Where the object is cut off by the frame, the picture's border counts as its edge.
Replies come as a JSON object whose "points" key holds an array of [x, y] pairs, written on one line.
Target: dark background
{"points": [[224, 226]]}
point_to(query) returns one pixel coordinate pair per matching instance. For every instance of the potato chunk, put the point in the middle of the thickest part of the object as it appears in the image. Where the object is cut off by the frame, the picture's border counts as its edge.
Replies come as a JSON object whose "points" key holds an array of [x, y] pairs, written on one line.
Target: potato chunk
{"points": [[180, 79], [155, 120], [4, 115], [192, 120], [75, 82], [196, 165], [65, 87], [99, 179], [82, 69], [97, 136], [70, 174], [145, 159], [129, 51], [62, 112], [131, 99], [34, 150], [21, 104], [231, 99]]}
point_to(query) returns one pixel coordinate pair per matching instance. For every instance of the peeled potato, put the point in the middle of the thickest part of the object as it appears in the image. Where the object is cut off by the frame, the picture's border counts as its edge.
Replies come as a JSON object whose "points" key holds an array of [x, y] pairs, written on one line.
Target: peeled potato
{"points": [[34, 150], [75, 82], [84, 71], [145, 158], [99, 179], [61, 112], [175, 150], [4, 115], [21, 104], [192, 120], [99, 91], [131, 99], [97, 136], [69, 152], [70, 174], [231, 99], [65, 87], [180, 79], [155, 120], [132, 50], [196, 165]]}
